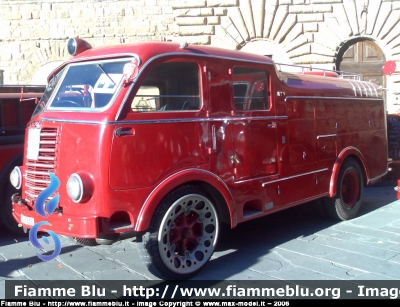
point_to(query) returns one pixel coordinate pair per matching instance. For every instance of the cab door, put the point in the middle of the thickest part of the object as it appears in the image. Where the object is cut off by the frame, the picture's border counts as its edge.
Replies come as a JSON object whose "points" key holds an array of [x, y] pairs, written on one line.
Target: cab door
{"points": [[254, 154], [163, 130]]}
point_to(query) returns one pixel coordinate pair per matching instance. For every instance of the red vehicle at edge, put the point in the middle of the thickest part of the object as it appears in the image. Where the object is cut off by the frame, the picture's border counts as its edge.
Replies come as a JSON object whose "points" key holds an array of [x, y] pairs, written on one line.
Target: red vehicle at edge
{"points": [[171, 141], [17, 103]]}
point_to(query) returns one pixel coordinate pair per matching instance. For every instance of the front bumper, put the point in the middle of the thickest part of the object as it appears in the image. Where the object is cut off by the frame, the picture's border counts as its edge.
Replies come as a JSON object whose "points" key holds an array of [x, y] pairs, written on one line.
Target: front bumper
{"points": [[62, 224]]}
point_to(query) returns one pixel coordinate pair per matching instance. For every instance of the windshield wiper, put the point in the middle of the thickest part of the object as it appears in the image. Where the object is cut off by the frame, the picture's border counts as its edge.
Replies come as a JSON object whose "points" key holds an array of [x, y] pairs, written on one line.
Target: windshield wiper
{"points": [[102, 69]]}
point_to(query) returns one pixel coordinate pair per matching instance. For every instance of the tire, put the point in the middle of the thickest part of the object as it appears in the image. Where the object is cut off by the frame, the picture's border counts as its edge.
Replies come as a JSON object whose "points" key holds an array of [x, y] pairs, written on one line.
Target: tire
{"points": [[346, 204], [84, 241], [317, 207], [182, 235], [6, 216]]}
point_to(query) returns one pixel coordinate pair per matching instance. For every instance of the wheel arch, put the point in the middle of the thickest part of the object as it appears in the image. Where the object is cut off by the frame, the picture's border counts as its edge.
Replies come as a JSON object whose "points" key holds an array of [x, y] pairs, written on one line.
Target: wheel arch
{"points": [[215, 187], [345, 154]]}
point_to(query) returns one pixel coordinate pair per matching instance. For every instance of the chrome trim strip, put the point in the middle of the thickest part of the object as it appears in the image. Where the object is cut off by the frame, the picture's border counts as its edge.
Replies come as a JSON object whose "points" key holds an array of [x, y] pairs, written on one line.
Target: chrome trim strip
{"points": [[326, 136], [214, 139], [48, 134], [359, 88], [40, 181], [323, 97], [46, 158], [29, 172], [115, 56], [371, 88], [169, 96], [352, 85], [365, 89], [34, 196], [161, 121], [86, 122], [40, 165], [295, 176], [48, 142], [254, 179], [255, 117], [34, 188]]}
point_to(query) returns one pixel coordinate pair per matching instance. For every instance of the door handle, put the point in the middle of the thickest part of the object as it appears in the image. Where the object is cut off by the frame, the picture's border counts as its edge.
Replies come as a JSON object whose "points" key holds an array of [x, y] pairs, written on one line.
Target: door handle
{"points": [[272, 125], [124, 131]]}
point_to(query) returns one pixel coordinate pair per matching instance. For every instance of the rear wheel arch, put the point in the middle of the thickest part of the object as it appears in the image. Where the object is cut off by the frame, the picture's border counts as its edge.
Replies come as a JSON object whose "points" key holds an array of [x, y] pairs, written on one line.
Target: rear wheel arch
{"points": [[350, 153]]}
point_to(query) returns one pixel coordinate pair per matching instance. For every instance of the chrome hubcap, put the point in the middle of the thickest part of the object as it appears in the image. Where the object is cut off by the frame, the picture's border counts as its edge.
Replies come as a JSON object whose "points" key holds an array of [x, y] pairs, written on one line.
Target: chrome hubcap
{"points": [[188, 234]]}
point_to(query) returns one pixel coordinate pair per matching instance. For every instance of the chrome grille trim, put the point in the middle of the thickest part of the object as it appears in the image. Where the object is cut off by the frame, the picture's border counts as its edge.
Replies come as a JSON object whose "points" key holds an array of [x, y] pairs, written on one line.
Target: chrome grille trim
{"points": [[40, 165], [30, 173], [37, 171]]}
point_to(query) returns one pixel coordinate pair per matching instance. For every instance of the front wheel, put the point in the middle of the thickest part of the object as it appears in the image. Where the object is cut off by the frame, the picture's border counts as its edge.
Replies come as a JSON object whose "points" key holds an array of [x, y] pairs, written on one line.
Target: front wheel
{"points": [[182, 234], [350, 187], [6, 216]]}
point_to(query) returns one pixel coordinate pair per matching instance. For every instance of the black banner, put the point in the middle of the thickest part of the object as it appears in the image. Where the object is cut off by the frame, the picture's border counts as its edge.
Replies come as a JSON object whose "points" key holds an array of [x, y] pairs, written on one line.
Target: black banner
{"points": [[202, 291], [177, 303]]}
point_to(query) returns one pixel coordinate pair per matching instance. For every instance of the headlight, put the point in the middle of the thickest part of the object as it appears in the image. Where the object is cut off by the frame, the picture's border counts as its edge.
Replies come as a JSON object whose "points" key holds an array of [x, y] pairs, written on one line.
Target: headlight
{"points": [[75, 187], [80, 187], [16, 177]]}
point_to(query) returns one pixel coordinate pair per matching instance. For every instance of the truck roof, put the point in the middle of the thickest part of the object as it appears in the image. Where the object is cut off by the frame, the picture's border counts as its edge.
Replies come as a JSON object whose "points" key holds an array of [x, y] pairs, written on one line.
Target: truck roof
{"points": [[148, 50]]}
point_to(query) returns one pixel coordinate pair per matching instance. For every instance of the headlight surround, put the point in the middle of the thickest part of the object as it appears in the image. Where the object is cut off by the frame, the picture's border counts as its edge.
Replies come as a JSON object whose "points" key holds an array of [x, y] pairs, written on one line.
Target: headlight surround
{"points": [[75, 187], [16, 177], [80, 187]]}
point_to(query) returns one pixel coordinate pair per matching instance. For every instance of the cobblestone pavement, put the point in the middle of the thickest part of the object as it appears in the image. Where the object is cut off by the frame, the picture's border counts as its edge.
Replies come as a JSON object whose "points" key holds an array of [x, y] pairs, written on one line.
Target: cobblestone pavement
{"points": [[295, 244]]}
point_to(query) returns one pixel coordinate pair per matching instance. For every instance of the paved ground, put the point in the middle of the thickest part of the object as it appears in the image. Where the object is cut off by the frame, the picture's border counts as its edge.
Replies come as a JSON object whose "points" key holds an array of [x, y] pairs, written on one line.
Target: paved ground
{"points": [[291, 245]]}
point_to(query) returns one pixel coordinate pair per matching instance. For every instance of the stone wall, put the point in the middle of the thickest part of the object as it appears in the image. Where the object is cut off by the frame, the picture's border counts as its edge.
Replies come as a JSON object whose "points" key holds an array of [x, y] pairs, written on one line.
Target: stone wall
{"points": [[34, 33]]}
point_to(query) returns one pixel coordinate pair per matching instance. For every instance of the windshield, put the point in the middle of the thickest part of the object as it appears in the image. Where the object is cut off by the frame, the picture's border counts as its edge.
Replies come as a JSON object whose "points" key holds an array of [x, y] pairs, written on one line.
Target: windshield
{"points": [[47, 93], [85, 86]]}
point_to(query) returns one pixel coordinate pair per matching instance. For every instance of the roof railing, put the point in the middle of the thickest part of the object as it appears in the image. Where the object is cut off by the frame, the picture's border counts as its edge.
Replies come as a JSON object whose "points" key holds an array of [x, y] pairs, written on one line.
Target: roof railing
{"points": [[305, 69]]}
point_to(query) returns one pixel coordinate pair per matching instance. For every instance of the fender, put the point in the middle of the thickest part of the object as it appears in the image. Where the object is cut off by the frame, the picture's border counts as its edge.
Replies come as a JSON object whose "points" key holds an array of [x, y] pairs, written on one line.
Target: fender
{"points": [[175, 180], [346, 152]]}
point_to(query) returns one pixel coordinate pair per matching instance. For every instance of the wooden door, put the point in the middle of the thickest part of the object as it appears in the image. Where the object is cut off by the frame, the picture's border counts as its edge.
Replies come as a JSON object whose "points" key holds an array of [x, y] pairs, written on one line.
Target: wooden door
{"points": [[366, 58]]}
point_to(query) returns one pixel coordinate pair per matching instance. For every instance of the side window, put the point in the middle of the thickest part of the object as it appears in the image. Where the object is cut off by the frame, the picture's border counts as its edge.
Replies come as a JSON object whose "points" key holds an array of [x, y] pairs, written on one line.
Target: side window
{"points": [[171, 86], [146, 99], [250, 87], [240, 90]]}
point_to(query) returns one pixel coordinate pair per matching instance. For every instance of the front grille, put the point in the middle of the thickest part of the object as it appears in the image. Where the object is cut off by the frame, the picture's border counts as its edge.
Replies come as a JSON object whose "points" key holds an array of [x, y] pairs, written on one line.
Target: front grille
{"points": [[37, 171]]}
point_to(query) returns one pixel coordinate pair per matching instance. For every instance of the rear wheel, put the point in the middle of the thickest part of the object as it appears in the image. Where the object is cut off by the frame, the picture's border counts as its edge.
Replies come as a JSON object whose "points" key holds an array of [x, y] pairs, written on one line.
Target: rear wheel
{"points": [[182, 234], [346, 204]]}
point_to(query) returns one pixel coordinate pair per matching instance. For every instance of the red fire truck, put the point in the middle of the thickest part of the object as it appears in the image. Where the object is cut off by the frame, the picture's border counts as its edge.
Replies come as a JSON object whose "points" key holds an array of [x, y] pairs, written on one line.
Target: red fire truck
{"points": [[171, 141], [17, 103]]}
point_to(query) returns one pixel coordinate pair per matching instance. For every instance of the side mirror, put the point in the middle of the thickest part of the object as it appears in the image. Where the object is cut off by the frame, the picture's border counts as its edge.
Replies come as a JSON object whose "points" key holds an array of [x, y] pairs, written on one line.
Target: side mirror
{"points": [[130, 72]]}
